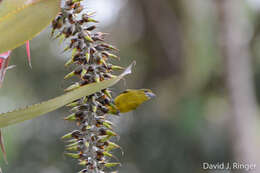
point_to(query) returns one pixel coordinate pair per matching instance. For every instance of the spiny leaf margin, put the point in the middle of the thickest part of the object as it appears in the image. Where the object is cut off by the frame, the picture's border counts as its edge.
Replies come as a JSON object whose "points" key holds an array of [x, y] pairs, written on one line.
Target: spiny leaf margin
{"points": [[36, 110]]}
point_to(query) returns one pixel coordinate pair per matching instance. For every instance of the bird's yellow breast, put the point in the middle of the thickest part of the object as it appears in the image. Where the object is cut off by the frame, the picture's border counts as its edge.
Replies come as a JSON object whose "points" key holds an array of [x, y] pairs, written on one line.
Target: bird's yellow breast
{"points": [[130, 100]]}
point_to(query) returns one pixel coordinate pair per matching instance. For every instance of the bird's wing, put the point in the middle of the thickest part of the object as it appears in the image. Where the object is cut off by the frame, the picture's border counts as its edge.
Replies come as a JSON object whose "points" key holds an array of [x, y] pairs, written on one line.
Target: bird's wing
{"points": [[126, 91]]}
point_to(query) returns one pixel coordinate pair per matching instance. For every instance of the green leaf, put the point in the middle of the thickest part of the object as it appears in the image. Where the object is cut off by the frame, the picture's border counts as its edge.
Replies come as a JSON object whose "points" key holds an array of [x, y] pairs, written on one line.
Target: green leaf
{"points": [[21, 20], [36, 110]]}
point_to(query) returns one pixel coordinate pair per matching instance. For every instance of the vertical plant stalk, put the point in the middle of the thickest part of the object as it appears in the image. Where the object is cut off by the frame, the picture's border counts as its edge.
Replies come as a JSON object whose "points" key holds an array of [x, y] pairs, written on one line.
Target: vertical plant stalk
{"points": [[164, 24], [239, 79], [91, 142]]}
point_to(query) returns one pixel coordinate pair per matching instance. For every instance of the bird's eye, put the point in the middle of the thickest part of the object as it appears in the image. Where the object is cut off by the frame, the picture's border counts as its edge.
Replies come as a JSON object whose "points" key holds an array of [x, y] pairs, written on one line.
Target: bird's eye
{"points": [[149, 94]]}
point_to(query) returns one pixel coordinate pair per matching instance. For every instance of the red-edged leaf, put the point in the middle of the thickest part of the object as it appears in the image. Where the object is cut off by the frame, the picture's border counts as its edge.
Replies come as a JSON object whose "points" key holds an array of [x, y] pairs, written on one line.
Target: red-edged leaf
{"points": [[4, 58], [28, 53]]}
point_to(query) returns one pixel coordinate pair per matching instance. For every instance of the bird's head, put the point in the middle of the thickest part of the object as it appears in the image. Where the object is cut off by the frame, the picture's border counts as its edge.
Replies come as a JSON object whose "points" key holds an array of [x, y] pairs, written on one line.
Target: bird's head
{"points": [[148, 93]]}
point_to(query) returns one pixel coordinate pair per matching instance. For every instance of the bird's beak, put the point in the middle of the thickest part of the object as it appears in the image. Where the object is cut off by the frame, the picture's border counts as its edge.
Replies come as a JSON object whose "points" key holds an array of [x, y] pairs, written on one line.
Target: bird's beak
{"points": [[150, 95]]}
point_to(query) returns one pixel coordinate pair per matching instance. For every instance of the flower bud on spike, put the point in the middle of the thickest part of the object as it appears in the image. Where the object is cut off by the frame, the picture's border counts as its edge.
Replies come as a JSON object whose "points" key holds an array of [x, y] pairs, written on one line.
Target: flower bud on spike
{"points": [[84, 71], [57, 36], [88, 38], [115, 67], [108, 46], [78, 10], [87, 144], [62, 37], [91, 13], [110, 133], [110, 75], [91, 28], [107, 125], [69, 62], [113, 109], [75, 134], [73, 155], [88, 127], [94, 108], [107, 54], [71, 74], [73, 144], [104, 138], [107, 154], [93, 99], [112, 164], [78, 108], [83, 163], [111, 146], [103, 62], [92, 20], [74, 148], [107, 93], [87, 57], [72, 141], [72, 87], [97, 79], [73, 104], [86, 18], [65, 49], [52, 32], [74, 51], [71, 117], [69, 135]]}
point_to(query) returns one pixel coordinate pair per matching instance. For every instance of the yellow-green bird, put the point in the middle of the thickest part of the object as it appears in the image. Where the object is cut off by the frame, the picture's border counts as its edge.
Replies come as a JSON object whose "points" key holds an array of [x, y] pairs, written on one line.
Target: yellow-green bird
{"points": [[129, 100]]}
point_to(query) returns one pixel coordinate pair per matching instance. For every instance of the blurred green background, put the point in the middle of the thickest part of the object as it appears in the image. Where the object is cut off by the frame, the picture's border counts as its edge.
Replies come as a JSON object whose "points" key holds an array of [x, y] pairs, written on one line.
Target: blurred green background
{"points": [[175, 45]]}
